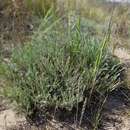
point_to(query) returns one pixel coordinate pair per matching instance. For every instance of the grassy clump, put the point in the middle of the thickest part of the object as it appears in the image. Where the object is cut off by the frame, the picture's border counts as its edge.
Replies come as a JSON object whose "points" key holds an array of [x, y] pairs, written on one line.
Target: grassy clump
{"points": [[59, 69]]}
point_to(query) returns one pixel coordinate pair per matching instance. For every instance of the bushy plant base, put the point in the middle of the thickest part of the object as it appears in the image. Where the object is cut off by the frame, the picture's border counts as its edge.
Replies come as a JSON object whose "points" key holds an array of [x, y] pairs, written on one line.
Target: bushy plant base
{"points": [[60, 69]]}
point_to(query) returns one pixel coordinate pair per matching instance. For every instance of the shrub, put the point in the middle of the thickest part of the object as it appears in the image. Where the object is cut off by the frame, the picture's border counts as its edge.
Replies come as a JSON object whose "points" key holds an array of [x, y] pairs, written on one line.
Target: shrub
{"points": [[60, 68]]}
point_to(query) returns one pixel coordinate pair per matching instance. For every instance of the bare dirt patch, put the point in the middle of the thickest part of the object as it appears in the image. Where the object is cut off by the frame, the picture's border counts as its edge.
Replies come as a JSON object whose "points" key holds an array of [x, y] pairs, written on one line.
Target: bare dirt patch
{"points": [[116, 114], [9, 118]]}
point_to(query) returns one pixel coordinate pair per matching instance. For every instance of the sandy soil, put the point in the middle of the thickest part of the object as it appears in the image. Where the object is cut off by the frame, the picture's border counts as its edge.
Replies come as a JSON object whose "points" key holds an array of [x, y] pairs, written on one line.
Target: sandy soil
{"points": [[122, 54], [116, 115], [8, 119], [8, 116]]}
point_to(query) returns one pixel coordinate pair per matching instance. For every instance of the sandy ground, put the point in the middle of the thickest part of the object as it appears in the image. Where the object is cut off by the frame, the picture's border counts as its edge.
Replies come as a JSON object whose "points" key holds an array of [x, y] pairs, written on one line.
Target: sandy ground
{"points": [[122, 54], [116, 114], [8, 119], [8, 116]]}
